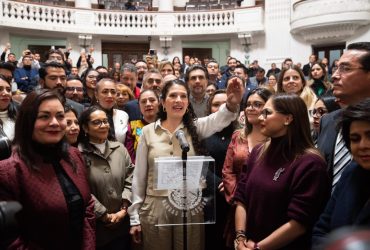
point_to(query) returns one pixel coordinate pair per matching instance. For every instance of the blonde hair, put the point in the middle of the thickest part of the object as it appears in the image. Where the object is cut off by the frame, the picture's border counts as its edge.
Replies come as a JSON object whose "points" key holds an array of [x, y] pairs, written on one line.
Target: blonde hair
{"points": [[308, 96], [124, 89]]}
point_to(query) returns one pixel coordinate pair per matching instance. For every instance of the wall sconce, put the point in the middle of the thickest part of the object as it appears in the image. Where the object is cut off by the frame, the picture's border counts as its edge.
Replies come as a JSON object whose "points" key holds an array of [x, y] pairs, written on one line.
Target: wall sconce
{"points": [[84, 41], [245, 40], [165, 42]]}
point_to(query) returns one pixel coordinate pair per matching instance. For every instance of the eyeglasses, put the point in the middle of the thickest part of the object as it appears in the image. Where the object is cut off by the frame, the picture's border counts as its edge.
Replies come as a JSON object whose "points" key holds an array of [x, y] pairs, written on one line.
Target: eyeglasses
{"points": [[318, 112], [78, 89], [344, 69], [99, 123], [152, 80], [254, 105], [107, 91], [265, 113]]}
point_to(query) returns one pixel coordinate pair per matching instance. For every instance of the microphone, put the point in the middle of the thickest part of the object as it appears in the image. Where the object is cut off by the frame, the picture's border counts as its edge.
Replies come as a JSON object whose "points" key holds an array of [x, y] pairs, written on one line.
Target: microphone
{"points": [[180, 135]]}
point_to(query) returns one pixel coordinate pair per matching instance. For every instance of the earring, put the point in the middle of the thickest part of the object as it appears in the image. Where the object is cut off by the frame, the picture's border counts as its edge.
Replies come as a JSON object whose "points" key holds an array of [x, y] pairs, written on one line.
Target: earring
{"points": [[164, 109], [286, 123]]}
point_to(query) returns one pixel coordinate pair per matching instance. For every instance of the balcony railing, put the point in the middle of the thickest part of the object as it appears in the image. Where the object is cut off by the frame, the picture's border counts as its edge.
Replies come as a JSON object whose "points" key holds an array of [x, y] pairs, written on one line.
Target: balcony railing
{"points": [[56, 18], [332, 20]]}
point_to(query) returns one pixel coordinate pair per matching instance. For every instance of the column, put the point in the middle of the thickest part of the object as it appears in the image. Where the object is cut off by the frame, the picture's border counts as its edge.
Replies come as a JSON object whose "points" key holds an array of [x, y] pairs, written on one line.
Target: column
{"points": [[84, 4], [165, 5], [248, 3]]}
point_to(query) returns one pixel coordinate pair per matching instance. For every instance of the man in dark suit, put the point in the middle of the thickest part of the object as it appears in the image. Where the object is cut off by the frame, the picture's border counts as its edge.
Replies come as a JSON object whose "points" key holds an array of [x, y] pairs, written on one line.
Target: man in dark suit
{"points": [[53, 75], [152, 80], [351, 83], [307, 67]]}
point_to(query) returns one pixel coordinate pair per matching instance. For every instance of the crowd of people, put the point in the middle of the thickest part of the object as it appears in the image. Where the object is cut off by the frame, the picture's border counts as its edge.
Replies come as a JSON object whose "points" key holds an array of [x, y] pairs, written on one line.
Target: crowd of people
{"points": [[79, 144]]}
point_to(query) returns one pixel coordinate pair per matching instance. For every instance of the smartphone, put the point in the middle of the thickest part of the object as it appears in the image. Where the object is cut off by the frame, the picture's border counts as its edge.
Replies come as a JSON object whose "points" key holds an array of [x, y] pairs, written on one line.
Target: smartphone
{"points": [[152, 52]]}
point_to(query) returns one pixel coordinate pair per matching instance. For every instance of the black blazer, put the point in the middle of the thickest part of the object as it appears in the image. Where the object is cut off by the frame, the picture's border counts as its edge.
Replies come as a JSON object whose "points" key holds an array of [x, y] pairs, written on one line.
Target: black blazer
{"points": [[328, 136], [306, 69]]}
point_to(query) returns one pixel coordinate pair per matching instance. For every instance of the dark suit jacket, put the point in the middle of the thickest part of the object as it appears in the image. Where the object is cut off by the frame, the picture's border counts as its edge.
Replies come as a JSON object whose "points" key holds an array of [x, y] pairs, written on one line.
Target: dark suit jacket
{"points": [[306, 69], [43, 221], [327, 137], [348, 206], [76, 106], [133, 110]]}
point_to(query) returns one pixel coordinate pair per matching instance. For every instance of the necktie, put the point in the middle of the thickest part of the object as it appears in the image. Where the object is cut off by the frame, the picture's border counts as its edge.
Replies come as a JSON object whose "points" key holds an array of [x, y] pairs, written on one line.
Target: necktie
{"points": [[342, 157]]}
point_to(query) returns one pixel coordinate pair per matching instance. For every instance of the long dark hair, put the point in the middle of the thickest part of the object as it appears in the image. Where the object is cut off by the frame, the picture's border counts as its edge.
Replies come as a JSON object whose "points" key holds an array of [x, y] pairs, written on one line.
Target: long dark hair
{"points": [[329, 102], [188, 118], [24, 145], [263, 93], [297, 140]]}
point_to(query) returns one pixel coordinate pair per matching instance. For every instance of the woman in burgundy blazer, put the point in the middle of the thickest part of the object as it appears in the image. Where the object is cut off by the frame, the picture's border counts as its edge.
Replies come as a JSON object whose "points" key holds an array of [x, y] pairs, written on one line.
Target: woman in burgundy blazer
{"points": [[48, 178]]}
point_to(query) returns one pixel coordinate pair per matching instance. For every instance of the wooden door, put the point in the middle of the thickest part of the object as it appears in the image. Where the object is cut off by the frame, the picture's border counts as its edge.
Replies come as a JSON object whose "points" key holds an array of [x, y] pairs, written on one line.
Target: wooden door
{"points": [[200, 53], [124, 52]]}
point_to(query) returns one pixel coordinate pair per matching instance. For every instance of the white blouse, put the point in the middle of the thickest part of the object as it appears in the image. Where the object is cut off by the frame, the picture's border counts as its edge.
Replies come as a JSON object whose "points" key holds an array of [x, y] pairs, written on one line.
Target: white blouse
{"points": [[8, 124]]}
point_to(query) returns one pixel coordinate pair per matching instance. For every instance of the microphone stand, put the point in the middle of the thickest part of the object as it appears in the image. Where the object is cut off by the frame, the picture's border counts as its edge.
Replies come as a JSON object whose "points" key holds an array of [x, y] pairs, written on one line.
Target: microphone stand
{"points": [[184, 211]]}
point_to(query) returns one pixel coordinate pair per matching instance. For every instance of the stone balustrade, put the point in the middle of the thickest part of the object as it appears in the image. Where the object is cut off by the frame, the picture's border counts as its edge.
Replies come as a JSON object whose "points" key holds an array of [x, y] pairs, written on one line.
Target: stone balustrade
{"points": [[56, 18], [328, 20]]}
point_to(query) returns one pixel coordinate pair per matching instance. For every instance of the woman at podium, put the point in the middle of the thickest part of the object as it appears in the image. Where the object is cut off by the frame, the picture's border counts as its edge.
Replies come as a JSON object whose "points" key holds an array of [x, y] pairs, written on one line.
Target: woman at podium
{"points": [[158, 139]]}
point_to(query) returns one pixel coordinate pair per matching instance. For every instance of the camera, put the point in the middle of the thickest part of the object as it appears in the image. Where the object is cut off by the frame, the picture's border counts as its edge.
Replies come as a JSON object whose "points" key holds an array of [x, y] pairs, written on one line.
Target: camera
{"points": [[152, 52]]}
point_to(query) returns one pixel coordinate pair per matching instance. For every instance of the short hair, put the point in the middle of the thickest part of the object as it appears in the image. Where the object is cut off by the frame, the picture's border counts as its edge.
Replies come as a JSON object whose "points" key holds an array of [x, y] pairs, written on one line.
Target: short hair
{"points": [[195, 67], [140, 61], [43, 70], [356, 112], [73, 77], [231, 58], [7, 66], [213, 61], [122, 88], [83, 120], [129, 67], [242, 66], [55, 51], [101, 67], [288, 60], [365, 59]]}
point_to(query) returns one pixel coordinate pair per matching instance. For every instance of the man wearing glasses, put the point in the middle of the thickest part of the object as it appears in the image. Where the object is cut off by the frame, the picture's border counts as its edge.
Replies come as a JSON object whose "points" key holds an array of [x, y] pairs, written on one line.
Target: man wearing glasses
{"points": [[351, 84], [152, 80], [74, 89]]}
